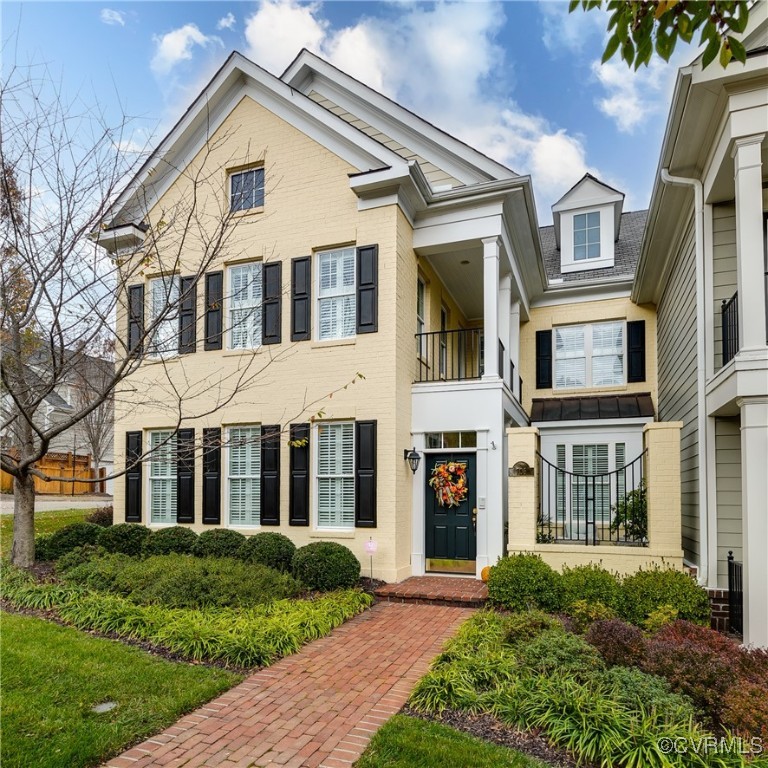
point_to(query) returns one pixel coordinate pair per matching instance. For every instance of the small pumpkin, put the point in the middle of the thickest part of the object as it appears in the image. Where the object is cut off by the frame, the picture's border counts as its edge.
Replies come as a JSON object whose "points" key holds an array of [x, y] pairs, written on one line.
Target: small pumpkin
{"points": [[485, 573]]}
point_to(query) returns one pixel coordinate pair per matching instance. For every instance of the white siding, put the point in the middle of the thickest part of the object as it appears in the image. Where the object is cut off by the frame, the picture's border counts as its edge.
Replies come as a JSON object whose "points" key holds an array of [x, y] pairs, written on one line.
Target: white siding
{"points": [[728, 479]]}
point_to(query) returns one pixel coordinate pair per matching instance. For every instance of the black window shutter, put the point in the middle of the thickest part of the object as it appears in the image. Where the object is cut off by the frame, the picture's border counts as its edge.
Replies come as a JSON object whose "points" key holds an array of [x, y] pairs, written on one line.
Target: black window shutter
{"points": [[188, 315], [212, 476], [270, 474], [299, 489], [301, 299], [214, 312], [365, 474], [367, 288], [135, 317], [271, 303], [543, 359], [636, 351], [185, 476], [132, 477]]}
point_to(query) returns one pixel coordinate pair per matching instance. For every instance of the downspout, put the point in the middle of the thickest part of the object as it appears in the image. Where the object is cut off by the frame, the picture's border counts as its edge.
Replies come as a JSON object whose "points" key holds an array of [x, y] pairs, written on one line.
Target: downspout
{"points": [[701, 380]]}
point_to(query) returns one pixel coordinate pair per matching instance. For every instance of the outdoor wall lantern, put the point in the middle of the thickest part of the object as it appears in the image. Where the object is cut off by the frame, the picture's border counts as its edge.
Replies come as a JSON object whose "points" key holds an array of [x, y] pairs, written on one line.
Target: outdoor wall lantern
{"points": [[413, 458]]}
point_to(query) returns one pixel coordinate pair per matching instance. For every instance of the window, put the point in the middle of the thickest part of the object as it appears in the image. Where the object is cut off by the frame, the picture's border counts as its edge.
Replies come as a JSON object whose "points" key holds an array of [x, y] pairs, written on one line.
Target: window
{"points": [[336, 475], [589, 355], [586, 236], [245, 295], [246, 189], [162, 477], [450, 440], [336, 294], [164, 315], [420, 314], [443, 363], [244, 476]]}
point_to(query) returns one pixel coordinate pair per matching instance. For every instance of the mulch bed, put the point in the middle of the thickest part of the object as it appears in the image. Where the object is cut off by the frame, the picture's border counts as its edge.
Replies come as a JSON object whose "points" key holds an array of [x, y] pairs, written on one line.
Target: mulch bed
{"points": [[490, 729]]}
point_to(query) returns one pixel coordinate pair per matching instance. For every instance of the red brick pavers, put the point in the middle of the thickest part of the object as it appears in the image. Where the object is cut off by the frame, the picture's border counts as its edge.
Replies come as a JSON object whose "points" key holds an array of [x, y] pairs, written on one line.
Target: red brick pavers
{"points": [[436, 590], [316, 709]]}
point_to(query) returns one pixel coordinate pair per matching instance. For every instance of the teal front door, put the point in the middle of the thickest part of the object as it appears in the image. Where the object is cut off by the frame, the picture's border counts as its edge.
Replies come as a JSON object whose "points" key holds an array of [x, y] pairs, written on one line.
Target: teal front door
{"points": [[451, 510]]}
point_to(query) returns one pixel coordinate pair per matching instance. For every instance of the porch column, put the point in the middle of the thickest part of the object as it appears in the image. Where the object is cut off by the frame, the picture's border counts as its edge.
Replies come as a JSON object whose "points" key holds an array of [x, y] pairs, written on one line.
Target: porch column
{"points": [[491, 307], [749, 242], [754, 522], [505, 300], [514, 347]]}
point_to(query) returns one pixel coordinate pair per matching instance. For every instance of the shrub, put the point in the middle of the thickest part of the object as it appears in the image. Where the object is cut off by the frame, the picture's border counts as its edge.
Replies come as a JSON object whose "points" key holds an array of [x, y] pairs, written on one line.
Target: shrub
{"points": [[42, 546], [646, 591], [167, 540], [745, 710], [525, 625], [218, 542], [584, 614], [326, 565], [78, 556], [102, 516], [125, 538], [660, 618], [591, 583], [525, 581], [75, 535], [619, 643], [556, 652], [268, 548], [97, 573]]}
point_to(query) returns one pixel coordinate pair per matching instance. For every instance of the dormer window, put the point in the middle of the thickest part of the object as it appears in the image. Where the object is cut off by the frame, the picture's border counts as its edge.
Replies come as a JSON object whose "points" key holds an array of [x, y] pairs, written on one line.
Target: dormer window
{"points": [[586, 236]]}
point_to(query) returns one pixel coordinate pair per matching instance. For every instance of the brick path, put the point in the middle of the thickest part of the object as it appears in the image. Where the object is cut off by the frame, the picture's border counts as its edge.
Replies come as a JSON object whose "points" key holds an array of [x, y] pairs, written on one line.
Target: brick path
{"points": [[436, 590], [316, 709]]}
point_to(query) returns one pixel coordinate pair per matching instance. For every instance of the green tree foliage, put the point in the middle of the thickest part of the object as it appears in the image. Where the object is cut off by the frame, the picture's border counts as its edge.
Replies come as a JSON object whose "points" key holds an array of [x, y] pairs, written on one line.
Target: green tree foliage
{"points": [[640, 28]]}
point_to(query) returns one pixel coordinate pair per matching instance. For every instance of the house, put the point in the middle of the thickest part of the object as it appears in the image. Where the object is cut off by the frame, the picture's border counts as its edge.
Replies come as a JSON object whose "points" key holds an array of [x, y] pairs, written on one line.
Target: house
{"points": [[704, 264]]}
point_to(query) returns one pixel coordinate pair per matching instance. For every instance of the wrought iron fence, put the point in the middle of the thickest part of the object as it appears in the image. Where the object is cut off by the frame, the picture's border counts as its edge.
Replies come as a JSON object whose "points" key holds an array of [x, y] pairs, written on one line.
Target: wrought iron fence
{"points": [[729, 313], [605, 508], [735, 596]]}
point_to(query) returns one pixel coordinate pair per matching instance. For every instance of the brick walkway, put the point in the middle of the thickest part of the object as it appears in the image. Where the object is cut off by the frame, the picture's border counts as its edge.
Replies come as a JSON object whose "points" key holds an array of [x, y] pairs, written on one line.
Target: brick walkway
{"points": [[436, 590], [318, 708]]}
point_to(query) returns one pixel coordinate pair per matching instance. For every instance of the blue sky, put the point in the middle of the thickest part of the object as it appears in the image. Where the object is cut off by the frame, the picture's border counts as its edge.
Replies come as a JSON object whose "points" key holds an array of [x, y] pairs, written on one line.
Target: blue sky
{"points": [[521, 81]]}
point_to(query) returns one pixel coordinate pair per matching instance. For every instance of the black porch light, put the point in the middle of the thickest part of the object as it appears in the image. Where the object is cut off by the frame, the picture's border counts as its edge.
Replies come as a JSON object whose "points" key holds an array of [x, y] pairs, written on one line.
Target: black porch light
{"points": [[413, 458]]}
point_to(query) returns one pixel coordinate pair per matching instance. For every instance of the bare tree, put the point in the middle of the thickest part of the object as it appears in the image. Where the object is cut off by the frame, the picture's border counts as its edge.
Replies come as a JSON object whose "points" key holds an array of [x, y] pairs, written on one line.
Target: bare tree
{"points": [[64, 299]]}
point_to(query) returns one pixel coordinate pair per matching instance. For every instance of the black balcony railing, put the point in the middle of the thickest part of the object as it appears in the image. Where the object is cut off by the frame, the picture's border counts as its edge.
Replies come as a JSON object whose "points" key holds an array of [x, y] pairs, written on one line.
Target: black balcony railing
{"points": [[450, 355], [729, 313], [735, 595]]}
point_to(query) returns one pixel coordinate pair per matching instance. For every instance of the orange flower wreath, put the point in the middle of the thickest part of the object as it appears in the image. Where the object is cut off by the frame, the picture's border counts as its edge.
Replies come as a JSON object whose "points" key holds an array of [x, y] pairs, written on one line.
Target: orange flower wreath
{"points": [[449, 481]]}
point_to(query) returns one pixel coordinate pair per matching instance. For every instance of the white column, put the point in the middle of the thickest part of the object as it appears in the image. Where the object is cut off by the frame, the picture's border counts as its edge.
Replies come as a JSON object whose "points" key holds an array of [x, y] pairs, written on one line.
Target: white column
{"points": [[505, 302], [514, 346], [749, 241], [754, 521], [491, 307]]}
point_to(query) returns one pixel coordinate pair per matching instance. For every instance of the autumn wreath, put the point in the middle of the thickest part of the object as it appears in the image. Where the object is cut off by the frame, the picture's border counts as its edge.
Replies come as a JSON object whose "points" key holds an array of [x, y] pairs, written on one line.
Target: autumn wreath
{"points": [[449, 481]]}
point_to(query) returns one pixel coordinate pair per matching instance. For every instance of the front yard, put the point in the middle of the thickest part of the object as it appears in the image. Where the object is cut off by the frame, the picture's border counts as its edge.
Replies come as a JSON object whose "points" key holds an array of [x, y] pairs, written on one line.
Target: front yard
{"points": [[45, 523]]}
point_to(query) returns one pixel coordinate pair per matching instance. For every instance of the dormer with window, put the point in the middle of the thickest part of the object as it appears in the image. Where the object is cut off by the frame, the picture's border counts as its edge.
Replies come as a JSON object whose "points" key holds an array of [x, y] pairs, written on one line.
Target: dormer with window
{"points": [[587, 221]]}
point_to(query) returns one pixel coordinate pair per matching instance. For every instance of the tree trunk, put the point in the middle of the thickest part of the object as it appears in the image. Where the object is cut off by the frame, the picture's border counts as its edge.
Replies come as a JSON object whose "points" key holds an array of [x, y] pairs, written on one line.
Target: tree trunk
{"points": [[23, 550]]}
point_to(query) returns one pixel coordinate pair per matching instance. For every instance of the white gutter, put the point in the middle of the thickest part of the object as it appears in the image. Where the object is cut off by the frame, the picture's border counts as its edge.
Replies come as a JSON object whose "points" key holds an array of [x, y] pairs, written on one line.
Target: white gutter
{"points": [[701, 380]]}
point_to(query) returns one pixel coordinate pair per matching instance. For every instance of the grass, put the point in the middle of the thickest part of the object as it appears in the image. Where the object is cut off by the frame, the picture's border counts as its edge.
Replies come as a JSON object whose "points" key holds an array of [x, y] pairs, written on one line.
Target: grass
{"points": [[406, 742], [53, 676], [45, 522]]}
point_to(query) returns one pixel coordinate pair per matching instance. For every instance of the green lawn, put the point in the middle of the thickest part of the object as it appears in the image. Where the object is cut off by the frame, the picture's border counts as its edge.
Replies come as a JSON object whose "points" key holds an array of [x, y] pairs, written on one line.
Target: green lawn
{"points": [[45, 522], [52, 676], [406, 742]]}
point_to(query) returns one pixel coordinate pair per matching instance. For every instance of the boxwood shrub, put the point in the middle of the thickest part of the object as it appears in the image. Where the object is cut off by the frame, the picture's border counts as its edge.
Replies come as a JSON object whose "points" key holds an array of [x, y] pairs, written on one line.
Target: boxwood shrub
{"points": [[102, 516], [591, 583], [125, 538], [268, 548], [41, 546], [218, 542], [646, 591], [524, 581], [326, 565], [75, 535], [176, 539]]}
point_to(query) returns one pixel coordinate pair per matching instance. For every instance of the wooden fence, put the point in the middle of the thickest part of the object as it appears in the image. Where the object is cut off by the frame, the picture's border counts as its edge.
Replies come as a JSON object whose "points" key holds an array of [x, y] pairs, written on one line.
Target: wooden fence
{"points": [[62, 465]]}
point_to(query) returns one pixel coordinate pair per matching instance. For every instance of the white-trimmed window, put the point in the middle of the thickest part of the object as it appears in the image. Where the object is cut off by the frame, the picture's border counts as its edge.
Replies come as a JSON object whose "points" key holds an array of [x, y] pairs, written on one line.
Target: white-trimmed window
{"points": [[589, 355], [164, 312], [336, 475], [245, 297], [162, 477], [246, 189], [586, 236], [336, 294], [244, 476], [420, 315]]}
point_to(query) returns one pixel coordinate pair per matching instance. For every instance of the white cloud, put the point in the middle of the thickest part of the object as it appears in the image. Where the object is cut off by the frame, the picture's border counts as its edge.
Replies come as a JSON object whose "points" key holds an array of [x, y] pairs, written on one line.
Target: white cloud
{"points": [[227, 22], [108, 16], [568, 33], [176, 46]]}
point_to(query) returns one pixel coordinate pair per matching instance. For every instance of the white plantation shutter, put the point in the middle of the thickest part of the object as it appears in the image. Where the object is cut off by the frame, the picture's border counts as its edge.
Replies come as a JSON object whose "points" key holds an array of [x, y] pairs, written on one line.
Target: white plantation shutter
{"points": [[560, 485], [336, 475], [591, 460], [336, 294], [165, 297], [162, 477], [245, 297], [244, 476], [621, 477], [570, 357], [607, 354]]}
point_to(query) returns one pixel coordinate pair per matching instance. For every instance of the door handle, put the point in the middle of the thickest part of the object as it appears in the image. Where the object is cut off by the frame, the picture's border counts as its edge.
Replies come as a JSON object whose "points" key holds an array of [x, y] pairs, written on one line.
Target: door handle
{"points": [[474, 518]]}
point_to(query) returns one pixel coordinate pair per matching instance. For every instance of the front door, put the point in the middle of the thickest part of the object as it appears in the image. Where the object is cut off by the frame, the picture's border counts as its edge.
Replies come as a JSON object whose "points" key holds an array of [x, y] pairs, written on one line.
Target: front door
{"points": [[451, 509]]}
